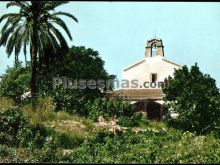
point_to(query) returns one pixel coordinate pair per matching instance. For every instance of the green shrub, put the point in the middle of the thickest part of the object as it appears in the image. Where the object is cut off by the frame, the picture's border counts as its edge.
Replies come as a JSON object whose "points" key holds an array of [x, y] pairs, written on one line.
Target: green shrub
{"points": [[147, 147], [108, 108], [64, 140], [38, 135], [47, 154], [7, 154], [134, 120], [11, 123], [50, 152], [15, 82], [16, 131], [71, 101]]}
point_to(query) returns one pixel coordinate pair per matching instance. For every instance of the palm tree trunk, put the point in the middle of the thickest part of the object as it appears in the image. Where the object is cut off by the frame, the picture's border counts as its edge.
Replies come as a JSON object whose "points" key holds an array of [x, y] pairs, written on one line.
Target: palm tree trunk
{"points": [[34, 63], [36, 6]]}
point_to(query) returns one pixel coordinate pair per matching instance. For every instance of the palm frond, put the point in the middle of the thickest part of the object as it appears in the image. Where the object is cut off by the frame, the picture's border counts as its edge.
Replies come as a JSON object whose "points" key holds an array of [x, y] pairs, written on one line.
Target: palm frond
{"points": [[17, 3], [58, 3], [10, 44], [13, 21], [65, 14], [8, 22], [58, 35], [8, 15], [25, 38], [5, 35], [52, 41], [62, 24], [18, 44]]}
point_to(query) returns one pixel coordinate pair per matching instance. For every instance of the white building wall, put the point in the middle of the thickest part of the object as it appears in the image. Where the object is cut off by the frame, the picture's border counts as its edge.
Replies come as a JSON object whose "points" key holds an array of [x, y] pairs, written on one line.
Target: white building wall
{"points": [[142, 72]]}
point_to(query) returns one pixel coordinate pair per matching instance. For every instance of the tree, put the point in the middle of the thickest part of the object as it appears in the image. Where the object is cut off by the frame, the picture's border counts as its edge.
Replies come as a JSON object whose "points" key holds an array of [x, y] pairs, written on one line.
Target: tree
{"points": [[195, 97], [33, 25], [78, 63], [15, 81]]}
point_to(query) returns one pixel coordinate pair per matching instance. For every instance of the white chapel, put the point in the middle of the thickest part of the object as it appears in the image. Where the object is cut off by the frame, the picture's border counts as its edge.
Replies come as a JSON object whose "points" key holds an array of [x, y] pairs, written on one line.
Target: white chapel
{"points": [[149, 72]]}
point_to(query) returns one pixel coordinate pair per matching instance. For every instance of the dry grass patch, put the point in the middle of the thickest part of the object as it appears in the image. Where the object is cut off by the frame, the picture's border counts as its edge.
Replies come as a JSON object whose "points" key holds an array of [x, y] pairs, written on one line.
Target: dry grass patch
{"points": [[6, 103]]}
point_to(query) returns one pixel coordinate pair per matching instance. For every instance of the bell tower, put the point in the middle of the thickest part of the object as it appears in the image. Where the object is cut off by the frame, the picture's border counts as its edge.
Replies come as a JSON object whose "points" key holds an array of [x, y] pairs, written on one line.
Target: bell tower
{"points": [[154, 47]]}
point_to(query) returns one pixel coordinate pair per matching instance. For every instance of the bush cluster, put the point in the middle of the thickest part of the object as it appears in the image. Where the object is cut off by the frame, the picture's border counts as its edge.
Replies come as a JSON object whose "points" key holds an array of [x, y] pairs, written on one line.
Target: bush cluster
{"points": [[16, 131], [147, 147], [109, 108], [22, 142]]}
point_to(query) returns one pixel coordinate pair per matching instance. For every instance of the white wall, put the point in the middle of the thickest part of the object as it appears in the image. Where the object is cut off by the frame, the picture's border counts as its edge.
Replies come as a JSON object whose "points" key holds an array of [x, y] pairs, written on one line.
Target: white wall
{"points": [[142, 72]]}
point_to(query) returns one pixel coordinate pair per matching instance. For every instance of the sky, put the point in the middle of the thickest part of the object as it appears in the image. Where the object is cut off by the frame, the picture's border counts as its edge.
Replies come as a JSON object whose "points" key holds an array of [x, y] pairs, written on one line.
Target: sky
{"points": [[119, 31]]}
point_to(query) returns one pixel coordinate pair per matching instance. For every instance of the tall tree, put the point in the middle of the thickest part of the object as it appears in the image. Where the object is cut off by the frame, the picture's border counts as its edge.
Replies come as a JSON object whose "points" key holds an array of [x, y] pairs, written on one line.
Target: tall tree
{"points": [[34, 26], [195, 97]]}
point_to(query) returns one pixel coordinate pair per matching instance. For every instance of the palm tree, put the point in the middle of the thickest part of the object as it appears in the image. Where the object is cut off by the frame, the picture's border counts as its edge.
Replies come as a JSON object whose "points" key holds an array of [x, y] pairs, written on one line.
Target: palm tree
{"points": [[34, 26]]}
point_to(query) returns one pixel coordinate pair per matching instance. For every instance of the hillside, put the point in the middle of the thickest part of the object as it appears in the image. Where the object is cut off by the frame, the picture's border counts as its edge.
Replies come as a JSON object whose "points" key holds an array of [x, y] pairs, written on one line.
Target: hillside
{"points": [[75, 139]]}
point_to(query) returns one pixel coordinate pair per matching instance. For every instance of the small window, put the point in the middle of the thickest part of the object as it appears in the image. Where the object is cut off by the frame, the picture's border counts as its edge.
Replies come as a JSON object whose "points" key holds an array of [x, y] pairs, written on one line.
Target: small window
{"points": [[153, 49], [153, 77]]}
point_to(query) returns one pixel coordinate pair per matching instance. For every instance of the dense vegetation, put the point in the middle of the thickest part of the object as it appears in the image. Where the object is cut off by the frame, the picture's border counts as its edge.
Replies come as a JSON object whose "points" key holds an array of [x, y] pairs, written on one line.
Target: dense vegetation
{"points": [[109, 108], [195, 97], [24, 140], [15, 82], [63, 126]]}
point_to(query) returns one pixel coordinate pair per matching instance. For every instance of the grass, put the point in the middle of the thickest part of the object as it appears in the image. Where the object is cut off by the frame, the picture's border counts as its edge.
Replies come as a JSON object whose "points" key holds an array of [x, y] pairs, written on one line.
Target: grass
{"points": [[69, 130], [59, 124], [6, 103], [167, 144], [65, 140], [63, 124]]}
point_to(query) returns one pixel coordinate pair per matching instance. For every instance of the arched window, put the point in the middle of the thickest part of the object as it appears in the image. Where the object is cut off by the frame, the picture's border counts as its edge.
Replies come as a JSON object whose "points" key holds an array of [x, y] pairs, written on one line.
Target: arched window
{"points": [[153, 49]]}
